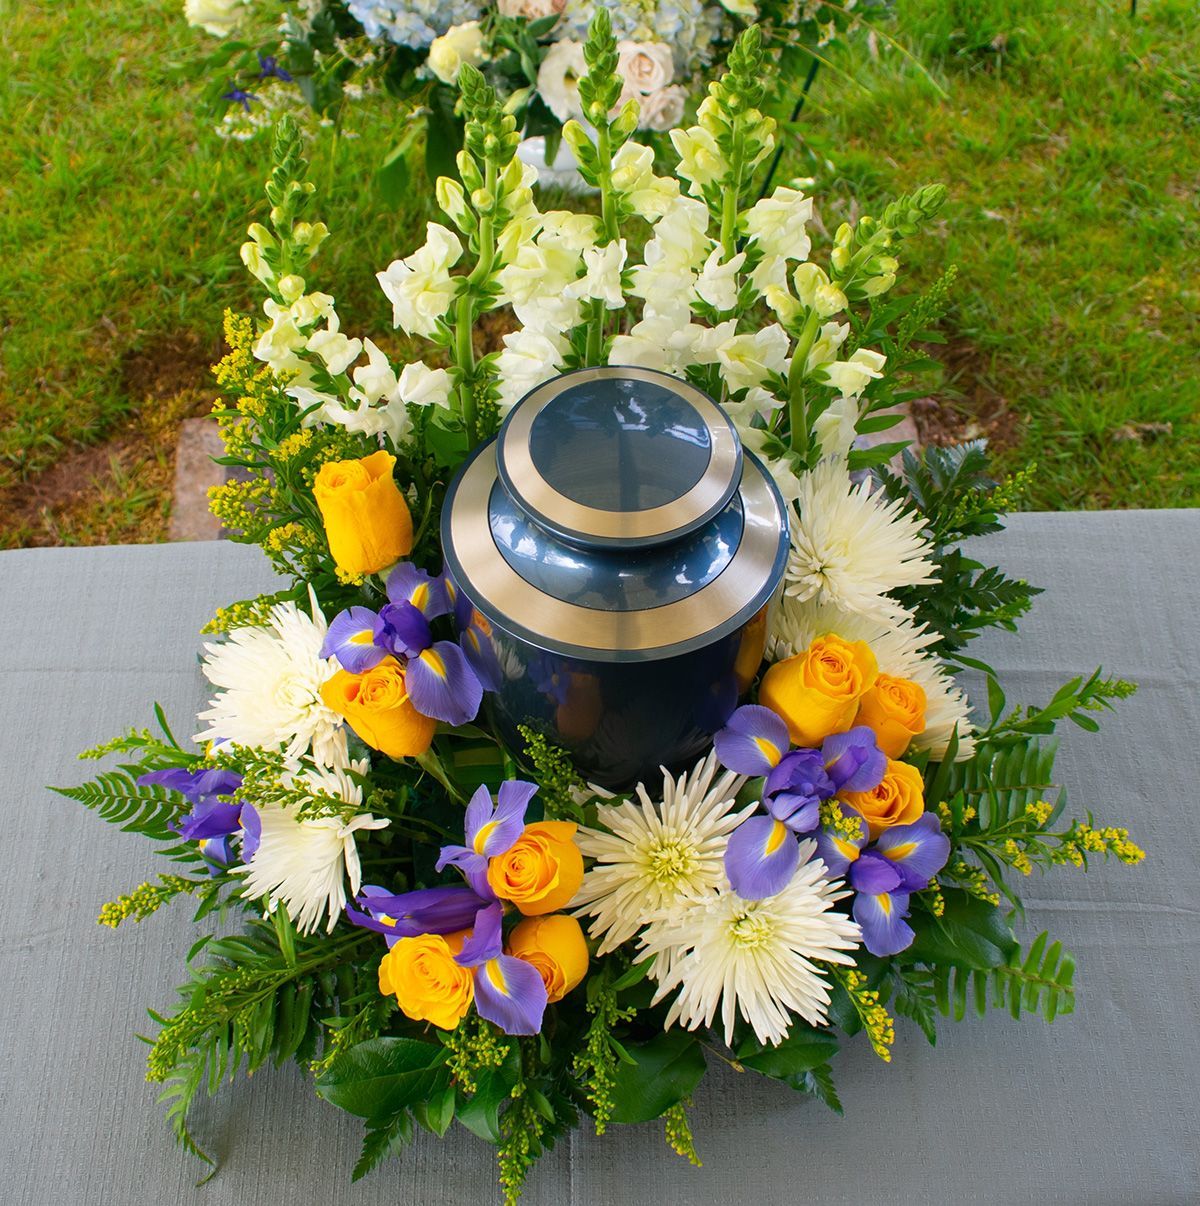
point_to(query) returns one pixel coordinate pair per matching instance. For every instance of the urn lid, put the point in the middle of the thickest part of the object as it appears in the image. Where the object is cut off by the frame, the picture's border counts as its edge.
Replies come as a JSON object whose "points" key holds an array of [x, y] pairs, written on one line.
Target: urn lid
{"points": [[532, 525], [619, 457]]}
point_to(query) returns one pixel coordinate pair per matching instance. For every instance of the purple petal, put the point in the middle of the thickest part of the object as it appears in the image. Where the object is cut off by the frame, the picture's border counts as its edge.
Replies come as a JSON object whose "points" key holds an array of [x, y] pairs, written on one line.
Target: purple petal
{"points": [[472, 865], [481, 654], [409, 584], [918, 851], [484, 941], [351, 639], [798, 813], [218, 852], [401, 629], [479, 812], [442, 684], [795, 788], [510, 993], [761, 857], [885, 932], [512, 802], [251, 831], [409, 914], [753, 741], [853, 760], [871, 873], [211, 819]]}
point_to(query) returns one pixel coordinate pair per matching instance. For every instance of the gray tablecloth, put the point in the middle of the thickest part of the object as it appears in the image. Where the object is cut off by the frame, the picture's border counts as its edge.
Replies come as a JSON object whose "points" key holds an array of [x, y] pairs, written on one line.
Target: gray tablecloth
{"points": [[1099, 1108]]}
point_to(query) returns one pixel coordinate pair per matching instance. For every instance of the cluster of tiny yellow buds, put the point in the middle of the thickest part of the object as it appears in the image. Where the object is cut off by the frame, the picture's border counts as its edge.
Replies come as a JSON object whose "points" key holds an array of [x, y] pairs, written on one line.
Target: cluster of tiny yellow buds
{"points": [[239, 504], [289, 537], [1083, 840], [1017, 857], [974, 882], [472, 1046], [679, 1134], [246, 613], [934, 898], [1039, 811], [293, 445], [833, 818], [142, 901], [876, 1020]]}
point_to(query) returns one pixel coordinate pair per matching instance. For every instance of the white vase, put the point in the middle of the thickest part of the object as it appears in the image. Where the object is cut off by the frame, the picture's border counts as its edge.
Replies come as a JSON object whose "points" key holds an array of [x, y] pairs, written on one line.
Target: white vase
{"points": [[562, 173]]}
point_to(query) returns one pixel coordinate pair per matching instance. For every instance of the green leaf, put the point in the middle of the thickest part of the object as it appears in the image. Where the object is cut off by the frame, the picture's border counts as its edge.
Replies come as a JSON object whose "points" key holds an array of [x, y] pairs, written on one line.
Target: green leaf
{"points": [[668, 1069], [804, 1048], [437, 1113], [117, 798], [969, 933], [819, 1082], [380, 1142], [481, 1115], [383, 1076]]}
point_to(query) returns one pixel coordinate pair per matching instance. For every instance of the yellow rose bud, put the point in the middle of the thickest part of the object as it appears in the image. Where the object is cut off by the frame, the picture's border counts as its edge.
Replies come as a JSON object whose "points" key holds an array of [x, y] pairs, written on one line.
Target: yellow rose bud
{"points": [[367, 521], [816, 693], [376, 706], [426, 982], [541, 870], [898, 800], [556, 947], [894, 708]]}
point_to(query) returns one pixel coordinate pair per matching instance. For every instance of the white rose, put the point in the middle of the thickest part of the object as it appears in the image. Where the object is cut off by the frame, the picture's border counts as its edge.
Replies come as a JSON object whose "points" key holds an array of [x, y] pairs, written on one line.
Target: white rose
{"points": [[747, 360], [217, 17], [663, 110], [421, 288], [531, 10], [779, 223], [834, 427], [646, 67], [420, 385], [458, 45], [854, 375], [558, 79]]}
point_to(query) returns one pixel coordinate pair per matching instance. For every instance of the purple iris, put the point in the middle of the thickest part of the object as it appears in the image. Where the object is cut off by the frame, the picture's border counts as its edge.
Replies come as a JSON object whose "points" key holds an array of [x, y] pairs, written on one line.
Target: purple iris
{"points": [[212, 821], [475, 639], [409, 914], [269, 66], [239, 96], [490, 830], [764, 851], [508, 991], [438, 675], [902, 861]]}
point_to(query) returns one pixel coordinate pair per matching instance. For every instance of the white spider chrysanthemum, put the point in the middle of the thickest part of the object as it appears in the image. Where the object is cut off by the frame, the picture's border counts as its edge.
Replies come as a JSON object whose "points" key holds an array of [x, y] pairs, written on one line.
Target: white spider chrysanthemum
{"points": [[753, 957], [657, 853], [304, 864], [899, 647], [270, 688], [850, 546]]}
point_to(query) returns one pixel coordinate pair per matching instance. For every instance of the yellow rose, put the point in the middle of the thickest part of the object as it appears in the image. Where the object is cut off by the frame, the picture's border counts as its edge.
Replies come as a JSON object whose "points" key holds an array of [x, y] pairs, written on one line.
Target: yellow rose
{"points": [[817, 692], [556, 947], [898, 800], [894, 708], [541, 870], [426, 982], [377, 707], [367, 521]]}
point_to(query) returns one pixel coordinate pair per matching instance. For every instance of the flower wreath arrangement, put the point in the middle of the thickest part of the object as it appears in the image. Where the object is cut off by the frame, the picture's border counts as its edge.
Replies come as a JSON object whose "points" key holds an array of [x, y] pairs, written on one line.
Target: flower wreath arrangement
{"points": [[444, 928], [282, 56]]}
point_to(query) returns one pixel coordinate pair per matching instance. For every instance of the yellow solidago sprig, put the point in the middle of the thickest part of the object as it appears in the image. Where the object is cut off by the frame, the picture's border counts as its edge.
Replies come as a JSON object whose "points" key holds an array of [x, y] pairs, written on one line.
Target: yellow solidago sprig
{"points": [[876, 1021], [146, 899]]}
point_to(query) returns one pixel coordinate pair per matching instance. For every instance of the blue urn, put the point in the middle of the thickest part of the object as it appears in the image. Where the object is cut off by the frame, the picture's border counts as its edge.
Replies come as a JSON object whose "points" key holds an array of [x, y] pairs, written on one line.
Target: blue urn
{"points": [[614, 551]]}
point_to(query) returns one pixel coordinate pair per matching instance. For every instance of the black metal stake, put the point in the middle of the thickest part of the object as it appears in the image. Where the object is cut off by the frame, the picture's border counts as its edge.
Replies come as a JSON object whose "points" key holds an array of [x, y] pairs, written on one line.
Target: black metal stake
{"points": [[796, 111]]}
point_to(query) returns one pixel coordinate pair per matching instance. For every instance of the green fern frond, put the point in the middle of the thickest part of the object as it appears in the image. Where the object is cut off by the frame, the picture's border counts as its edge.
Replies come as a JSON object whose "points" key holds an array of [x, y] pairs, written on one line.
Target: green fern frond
{"points": [[118, 799], [1040, 982]]}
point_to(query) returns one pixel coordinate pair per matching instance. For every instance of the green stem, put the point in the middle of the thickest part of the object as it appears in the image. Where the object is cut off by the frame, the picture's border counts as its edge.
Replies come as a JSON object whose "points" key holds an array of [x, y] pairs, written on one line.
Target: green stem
{"points": [[466, 312], [797, 410], [731, 200]]}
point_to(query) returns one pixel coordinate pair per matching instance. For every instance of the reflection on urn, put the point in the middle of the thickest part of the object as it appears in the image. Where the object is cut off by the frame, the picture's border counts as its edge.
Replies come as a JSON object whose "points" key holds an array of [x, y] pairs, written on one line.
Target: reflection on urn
{"points": [[614, 552]]}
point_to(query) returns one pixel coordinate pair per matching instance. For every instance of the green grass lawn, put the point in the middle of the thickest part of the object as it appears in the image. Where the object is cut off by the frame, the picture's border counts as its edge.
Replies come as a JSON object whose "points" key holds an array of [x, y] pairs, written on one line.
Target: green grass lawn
{"points": [[1069, 135]]}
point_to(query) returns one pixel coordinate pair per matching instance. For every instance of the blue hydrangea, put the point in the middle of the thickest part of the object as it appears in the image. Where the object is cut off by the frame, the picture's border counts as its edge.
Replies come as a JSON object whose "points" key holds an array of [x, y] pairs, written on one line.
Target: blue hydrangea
{"points": [[689, 27], [412, 23]]}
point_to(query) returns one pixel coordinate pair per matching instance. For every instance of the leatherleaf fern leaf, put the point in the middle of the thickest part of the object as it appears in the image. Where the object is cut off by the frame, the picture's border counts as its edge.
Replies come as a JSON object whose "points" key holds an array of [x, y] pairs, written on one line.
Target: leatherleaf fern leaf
{"points": [[116, 797], [1041, 981]]}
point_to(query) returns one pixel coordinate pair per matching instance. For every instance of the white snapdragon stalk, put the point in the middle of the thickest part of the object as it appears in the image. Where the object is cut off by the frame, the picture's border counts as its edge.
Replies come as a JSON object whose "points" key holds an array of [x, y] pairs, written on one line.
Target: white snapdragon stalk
{"points": [[748, 360], [420, 287], [778, 224]]}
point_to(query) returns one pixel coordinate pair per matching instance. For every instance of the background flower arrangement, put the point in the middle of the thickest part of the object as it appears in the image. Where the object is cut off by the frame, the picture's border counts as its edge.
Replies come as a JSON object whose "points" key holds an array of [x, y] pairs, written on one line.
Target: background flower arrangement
{"points": [[277, 56], [414, 894]]}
